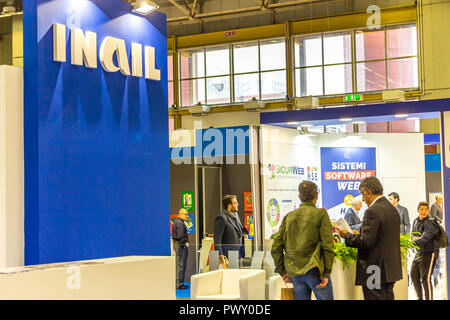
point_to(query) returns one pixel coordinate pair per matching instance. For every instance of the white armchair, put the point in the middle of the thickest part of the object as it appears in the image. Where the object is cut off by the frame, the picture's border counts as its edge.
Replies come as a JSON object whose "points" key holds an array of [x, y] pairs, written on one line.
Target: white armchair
{"points": [[229, 284], [275, 284]]}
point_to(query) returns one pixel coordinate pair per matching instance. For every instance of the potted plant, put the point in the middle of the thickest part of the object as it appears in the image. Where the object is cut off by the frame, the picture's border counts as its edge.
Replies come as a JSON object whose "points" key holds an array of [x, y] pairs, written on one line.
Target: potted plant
{"points": [[344, 269]]}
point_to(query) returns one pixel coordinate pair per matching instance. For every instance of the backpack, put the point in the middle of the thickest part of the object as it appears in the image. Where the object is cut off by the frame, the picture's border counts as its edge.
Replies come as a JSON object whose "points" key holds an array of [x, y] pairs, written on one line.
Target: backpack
{"points": [[443, 237]]}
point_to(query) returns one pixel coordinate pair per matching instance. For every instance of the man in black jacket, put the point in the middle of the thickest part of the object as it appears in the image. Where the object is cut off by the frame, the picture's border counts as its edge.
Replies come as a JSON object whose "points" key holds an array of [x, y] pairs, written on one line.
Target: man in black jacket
{"points": [[180, 245], [228, 230], [379, 263], [426, 232]]}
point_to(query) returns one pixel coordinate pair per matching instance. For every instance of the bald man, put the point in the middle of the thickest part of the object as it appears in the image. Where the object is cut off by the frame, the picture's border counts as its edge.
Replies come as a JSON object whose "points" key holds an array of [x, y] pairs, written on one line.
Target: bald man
{"points": [[351, 216], [180, 245]]}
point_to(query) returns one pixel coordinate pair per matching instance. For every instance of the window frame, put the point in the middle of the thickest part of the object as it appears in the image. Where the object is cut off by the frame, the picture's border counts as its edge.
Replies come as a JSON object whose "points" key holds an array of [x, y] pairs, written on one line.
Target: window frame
{"points": [[354, 62], [231, 73]]}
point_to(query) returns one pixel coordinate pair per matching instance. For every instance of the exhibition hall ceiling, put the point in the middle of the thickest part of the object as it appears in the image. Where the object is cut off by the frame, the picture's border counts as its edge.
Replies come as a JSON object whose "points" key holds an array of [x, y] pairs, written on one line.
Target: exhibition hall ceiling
{"points": [[186, 17]]}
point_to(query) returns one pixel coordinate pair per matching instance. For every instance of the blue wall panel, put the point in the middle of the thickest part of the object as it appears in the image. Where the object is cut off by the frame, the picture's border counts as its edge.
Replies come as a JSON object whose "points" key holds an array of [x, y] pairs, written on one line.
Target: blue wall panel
{"points": [[96, 143], [433, 162]]}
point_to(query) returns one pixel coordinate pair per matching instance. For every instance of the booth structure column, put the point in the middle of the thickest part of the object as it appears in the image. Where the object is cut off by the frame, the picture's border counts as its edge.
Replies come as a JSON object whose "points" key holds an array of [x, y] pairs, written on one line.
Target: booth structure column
{"points": [[445, 151], [11, 167]]}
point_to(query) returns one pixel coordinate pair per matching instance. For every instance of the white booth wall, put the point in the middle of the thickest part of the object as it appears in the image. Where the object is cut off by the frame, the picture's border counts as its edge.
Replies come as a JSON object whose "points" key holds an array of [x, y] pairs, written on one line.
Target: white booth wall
{"points": [[11, 167], [400, 164]]}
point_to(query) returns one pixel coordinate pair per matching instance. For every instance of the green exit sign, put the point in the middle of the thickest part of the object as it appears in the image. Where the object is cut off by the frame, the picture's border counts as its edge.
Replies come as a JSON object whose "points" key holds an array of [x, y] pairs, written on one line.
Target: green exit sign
{"points": [[353, 97]]}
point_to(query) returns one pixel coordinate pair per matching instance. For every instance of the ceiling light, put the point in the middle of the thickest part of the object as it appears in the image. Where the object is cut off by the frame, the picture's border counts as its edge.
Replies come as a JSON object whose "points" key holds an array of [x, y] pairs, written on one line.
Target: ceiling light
{"points": [[292, 122], [144, 7], [345, 119], [359, 122], [401, 115]]}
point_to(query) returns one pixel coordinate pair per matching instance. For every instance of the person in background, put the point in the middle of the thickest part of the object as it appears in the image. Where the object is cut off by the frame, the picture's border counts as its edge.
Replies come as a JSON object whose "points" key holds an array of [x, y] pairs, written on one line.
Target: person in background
{"points": [[303, 248], [436, 208], [436, 212], [425, 234], [379, 263], [351, 216], [405, 225], [228, 230], [180, 245]]}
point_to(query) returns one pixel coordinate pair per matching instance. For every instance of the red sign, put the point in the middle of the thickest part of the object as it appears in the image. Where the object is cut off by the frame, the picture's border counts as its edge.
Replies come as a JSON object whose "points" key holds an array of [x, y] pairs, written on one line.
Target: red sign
{"points": [[248, 201], [230, 34]]}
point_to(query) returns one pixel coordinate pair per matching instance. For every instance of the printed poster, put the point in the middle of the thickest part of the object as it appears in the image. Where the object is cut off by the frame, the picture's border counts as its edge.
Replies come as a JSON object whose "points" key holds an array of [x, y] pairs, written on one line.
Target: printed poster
{"points": [[249, 225], [248, 201], [343, 169], [187, 200], [189, 223]]}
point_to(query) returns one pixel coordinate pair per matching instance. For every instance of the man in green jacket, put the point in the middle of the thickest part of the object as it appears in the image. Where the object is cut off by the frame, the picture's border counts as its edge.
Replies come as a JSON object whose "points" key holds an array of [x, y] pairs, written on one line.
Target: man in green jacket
{"points": [[303, 248]]}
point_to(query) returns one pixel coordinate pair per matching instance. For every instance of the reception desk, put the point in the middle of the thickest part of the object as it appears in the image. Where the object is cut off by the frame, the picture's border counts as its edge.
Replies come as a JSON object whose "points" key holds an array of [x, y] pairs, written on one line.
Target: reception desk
{"points": [[121, 278]]}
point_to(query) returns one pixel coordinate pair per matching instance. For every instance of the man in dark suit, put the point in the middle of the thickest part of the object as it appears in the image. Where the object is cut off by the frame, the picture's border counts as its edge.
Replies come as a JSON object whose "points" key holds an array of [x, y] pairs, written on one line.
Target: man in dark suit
{"points": [[405, 225], [379, 263], [436, 208], [228, 230]]}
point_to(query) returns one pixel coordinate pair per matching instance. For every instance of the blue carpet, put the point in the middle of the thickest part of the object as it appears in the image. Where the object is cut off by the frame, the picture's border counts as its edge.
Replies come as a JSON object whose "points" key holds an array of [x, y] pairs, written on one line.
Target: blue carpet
{"points": [[185, 293]]}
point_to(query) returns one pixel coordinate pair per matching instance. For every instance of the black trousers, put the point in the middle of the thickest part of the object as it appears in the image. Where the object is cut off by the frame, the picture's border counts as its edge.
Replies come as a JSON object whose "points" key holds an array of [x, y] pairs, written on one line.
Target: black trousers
{"points": [[181, 254], [421, 274], [386, 292]]}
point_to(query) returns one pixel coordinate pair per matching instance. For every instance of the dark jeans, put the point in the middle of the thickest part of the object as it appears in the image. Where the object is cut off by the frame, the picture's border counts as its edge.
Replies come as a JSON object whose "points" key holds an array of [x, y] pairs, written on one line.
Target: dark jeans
{"points": [[386, 292], [421, 272], [181, 254], [307, 283]]}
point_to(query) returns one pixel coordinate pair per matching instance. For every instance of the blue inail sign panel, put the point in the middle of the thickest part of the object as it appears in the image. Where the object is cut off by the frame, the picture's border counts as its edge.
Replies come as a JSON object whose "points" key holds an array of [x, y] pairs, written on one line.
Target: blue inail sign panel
{"points": [[96, 131]]}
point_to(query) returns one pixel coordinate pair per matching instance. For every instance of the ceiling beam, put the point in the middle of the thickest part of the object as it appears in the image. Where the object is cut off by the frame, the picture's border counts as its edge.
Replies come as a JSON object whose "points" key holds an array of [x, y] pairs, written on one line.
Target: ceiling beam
{"points": [[183, 9], [268, 6], [194, 7]]}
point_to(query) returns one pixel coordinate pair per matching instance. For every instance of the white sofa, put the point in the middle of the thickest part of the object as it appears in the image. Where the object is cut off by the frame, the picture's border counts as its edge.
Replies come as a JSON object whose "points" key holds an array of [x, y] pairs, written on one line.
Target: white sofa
{"points": [[229, 284], [275, 284]]}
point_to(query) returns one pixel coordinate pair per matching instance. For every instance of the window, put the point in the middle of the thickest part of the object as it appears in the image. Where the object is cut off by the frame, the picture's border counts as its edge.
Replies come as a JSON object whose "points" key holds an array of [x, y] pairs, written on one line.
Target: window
{"points": [[273, 69], [233, 73], [386, 59], [323, 64], [192, 81], [170, 79], [259, 70], [356, 61], [205, 76]]}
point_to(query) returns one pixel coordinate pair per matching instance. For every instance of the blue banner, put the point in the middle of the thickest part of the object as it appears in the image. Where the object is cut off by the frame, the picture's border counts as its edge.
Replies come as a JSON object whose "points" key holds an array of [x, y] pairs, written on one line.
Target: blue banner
{"points": [[343, 169], [95, 131]]}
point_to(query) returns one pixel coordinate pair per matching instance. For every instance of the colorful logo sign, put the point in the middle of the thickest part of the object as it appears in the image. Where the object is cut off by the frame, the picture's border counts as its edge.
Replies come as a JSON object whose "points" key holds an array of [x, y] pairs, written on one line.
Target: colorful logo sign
{"points": [[273, 213], [310, 172]]}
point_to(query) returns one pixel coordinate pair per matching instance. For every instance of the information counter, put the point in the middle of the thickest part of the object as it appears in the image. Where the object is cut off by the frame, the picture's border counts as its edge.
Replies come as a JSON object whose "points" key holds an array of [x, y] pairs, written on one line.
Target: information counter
{"points": [[124, 278]]}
